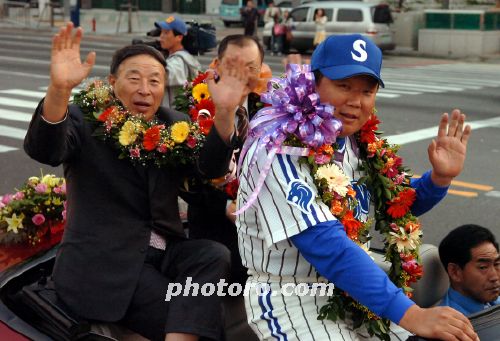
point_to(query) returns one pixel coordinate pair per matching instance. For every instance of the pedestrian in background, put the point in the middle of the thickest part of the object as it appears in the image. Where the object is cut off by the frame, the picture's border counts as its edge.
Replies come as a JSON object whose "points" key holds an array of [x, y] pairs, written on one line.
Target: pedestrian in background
{"points": [[278, 36], [181, 65], [320, 20], [271, 12], [287, 20], [250, 17]]}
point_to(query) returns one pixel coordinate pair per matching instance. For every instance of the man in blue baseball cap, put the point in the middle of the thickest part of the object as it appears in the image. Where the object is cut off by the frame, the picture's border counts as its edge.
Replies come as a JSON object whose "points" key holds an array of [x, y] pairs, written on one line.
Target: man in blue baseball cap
{"points": [[181, 65], [309, 243]]}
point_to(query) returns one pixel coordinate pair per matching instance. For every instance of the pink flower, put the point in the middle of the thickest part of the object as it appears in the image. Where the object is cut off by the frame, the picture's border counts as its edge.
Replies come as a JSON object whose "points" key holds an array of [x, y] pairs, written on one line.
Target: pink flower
{"points": [[41, 188], [322, 159], [18, 196], [399, 179], [64, 214], [6, 199], [191, 142], [135, 153], [60, 189], [162, 148], [2, 205], [394, 227], [38, 219]]}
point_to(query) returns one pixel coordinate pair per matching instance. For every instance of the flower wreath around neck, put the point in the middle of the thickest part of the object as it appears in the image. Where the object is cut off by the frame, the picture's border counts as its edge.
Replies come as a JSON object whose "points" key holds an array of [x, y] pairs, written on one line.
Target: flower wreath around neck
{"points": [[194, 99], [297, 124], [137, 139]]}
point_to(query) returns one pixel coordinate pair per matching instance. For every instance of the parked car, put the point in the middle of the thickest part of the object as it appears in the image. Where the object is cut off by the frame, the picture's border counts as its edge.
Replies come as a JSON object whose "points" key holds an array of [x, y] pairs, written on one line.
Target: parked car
{"points": [[371, 19]]}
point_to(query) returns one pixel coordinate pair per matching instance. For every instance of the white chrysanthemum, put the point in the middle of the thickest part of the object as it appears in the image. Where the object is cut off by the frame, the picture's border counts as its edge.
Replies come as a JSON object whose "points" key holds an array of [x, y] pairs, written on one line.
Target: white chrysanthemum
{"points": [[337, 181], [405, 241]]}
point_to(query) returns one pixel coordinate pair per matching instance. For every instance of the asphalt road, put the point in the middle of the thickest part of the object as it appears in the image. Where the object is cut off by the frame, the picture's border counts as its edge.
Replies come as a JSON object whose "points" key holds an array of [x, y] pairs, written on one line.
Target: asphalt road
{"points": [[417, 92]]}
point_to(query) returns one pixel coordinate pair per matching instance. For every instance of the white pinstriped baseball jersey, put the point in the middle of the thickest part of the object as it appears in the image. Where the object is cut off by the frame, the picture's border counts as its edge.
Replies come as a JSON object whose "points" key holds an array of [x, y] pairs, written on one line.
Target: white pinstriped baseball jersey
{"points": [[287, 205], [264, 228]]}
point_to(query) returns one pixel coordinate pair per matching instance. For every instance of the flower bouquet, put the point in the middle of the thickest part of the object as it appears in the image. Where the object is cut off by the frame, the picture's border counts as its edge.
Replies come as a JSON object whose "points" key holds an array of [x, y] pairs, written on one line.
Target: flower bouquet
{"points": [[35, 210]]}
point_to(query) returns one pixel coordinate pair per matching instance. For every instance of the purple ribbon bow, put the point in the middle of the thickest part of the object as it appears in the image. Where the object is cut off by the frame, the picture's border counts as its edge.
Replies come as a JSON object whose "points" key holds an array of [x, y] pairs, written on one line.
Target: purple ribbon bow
{"points": [[295, 110]]}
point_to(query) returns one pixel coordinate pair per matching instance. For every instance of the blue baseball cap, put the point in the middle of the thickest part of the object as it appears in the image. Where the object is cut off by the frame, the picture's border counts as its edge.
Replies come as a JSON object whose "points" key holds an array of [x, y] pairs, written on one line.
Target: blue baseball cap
{"points": [[172, 23], [344, 56]]}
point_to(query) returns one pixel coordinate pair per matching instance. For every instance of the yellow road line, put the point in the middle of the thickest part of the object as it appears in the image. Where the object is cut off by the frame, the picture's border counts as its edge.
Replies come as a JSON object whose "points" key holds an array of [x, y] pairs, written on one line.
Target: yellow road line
{"points": [[459, 183], [466, 194]]}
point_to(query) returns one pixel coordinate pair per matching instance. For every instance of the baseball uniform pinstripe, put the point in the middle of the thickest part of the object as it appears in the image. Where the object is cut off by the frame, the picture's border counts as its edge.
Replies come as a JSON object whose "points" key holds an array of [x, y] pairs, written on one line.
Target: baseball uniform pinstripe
{"points": [[264, 231]]}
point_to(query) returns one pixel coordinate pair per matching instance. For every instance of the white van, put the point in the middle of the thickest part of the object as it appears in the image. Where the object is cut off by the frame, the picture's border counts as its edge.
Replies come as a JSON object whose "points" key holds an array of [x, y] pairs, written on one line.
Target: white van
{"points": [[370, 19]]}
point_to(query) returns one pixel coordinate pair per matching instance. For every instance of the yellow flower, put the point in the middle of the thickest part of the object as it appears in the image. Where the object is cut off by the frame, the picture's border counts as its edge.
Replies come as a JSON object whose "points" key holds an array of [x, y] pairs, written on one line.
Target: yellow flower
{"points": [[47, 179], [128, 133], [56, 201], [337, 181], [200, 91], [15, 223], [180, 131]]}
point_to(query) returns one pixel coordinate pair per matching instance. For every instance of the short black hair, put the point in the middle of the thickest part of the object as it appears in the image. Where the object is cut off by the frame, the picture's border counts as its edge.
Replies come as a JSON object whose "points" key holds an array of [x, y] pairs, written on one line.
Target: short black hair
{"points": [[240, 40], [456, 246], [131, 51]]}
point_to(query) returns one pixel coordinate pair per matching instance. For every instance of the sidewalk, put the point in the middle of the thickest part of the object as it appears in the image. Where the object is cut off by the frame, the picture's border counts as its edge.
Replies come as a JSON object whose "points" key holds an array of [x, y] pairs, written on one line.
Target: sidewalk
{"points": [[108, 23]]}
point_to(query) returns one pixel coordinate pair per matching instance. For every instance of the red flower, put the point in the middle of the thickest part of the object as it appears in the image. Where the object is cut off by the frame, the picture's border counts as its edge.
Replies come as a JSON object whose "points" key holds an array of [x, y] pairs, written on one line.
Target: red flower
{"points": [[151, 138], [231, 189], [206, 104], [200, 78], [368, 130], [205, 125], [351, 225], [103, 117], [401, 204], [191, 142], [413, 269], [391, 166]]}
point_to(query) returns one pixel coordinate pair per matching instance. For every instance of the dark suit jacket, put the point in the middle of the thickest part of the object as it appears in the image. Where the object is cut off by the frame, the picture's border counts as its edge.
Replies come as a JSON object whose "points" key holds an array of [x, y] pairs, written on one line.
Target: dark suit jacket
{"points": [[112, 206]]}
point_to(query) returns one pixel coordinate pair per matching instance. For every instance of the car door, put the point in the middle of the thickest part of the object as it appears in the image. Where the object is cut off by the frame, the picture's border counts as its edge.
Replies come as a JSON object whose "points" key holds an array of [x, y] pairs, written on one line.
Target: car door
{"points": [[300, 39], [349, 20]]}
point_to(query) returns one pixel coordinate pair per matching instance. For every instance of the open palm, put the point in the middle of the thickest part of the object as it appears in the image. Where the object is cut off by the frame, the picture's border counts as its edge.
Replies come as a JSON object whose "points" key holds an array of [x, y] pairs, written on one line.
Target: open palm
{"points": [[231, 87], [448, 151], [66, 69]]}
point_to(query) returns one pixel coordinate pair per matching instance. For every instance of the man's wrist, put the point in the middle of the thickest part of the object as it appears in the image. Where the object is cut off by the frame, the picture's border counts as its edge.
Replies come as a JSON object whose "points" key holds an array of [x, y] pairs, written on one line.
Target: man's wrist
{"points": [[441, 181]]}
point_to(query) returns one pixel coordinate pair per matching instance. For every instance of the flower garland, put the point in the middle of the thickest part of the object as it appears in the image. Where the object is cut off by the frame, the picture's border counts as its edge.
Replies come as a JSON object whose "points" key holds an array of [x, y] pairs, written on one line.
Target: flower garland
{"points": [[31, 212], [194, 98], [137, 139], [297, 124], [389, 183]]}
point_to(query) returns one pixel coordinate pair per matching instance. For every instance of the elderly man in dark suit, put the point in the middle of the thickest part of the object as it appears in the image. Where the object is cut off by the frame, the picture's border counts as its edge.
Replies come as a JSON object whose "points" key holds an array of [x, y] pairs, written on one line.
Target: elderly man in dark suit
{"points": [[124, 241]]}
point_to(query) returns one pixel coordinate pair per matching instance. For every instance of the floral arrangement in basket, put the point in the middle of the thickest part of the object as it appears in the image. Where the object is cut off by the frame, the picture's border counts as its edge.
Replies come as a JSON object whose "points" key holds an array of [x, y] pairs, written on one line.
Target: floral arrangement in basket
{"points": [[297, 124], [33, 211], [137, 139]]}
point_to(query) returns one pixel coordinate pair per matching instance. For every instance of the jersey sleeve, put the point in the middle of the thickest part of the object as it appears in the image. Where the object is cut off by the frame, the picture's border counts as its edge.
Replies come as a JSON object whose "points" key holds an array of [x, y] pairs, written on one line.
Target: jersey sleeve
{"points": [[287, 203]]}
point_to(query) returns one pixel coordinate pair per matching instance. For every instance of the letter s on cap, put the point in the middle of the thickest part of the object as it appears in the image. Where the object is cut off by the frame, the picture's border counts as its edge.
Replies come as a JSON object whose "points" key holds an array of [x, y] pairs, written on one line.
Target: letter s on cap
{"points": [[360, 47]]}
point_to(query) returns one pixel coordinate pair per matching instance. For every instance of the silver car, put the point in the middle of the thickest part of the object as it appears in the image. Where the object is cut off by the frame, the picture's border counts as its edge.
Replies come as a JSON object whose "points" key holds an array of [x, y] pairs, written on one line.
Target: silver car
{"points": [[344, 17]]}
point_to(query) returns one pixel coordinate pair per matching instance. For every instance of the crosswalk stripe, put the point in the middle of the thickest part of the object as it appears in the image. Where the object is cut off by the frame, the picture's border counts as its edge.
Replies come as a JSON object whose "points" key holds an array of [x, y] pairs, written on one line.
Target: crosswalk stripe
{"points": [[13, 115], [41, 62], [386, 95], [436, 87], [446, 80], [4, 149], [23, 74], [401, 92], [15, 133], [427, 133], [26, 93], [14, 102]]}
